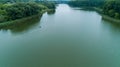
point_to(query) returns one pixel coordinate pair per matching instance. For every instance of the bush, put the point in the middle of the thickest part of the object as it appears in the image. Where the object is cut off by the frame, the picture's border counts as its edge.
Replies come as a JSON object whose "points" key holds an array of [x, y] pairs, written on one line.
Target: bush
{"points": [[111, 13], [117, 15], [42, 7], [2, 18], [49, 5]]}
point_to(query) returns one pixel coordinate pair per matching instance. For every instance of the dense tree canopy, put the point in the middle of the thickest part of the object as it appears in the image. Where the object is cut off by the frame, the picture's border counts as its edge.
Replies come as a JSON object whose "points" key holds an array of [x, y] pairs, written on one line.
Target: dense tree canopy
{"points": [[112, 8], [19, 10]]}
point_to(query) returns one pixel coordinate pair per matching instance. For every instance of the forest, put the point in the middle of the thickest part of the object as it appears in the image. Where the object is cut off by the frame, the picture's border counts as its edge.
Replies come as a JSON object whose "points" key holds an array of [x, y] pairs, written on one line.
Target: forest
{"points": [[17, 9], [109, 7]]}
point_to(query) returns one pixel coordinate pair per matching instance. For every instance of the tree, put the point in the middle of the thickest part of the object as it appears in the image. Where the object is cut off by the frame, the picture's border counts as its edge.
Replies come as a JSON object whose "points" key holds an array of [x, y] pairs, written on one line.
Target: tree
{"points": [[111, 13], [117, 15]]}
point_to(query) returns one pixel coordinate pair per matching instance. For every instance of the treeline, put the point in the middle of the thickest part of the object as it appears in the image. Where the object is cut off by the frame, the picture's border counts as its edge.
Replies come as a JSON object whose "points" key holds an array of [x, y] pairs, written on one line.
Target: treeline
{"points": [[86, 3], [15, 11], [19, 10], [109, 7], [112, 8], [50, 5]]}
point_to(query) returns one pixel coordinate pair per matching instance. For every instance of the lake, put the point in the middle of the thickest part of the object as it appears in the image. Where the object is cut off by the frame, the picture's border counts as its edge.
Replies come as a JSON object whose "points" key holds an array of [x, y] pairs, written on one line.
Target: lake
{"points": [[70, 37]]}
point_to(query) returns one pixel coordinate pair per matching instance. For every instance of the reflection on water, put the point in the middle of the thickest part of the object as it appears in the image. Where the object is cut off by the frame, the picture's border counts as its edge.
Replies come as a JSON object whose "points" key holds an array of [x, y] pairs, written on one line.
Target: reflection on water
{"points": [[24, 25]]}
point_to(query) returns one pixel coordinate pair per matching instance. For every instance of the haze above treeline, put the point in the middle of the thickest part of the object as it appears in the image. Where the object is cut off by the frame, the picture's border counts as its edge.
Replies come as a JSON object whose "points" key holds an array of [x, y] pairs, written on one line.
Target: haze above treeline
{"points": [[49, 0]]}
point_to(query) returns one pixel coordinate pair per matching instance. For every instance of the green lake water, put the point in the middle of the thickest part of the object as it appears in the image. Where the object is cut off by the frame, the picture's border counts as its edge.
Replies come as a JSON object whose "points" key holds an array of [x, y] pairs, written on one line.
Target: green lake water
{"points": [[67, 38]]}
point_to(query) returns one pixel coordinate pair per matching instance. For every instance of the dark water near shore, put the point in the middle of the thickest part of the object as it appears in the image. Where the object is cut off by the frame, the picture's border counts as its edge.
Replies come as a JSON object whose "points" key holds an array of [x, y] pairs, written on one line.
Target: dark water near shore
{"points": [[67, 38]]}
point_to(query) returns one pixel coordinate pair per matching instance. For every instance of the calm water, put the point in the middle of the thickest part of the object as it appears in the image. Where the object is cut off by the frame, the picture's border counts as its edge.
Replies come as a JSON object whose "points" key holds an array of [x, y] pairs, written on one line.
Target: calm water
{"points": [[67, 38]]}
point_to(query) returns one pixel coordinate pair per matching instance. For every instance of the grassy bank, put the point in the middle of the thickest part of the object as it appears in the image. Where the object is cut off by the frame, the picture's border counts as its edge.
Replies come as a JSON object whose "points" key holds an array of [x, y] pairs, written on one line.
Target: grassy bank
{"points": [[98, 10], [108, 18]]}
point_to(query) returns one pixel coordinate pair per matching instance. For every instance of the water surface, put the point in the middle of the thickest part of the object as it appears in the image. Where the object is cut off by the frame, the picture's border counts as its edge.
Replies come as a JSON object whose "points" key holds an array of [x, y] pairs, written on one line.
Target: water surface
{"points": [[67, 38]]}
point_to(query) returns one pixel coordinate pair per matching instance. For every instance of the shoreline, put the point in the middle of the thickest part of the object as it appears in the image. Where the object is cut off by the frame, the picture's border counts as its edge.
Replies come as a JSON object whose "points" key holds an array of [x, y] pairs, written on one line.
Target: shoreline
{"points": [[106, 17], [7, 24], [18, 21]]}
